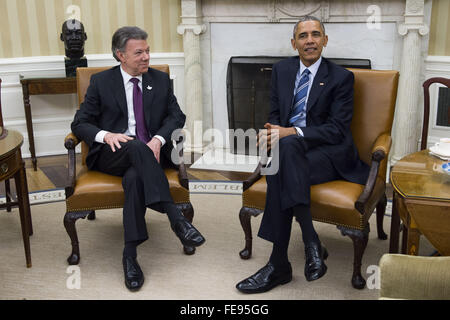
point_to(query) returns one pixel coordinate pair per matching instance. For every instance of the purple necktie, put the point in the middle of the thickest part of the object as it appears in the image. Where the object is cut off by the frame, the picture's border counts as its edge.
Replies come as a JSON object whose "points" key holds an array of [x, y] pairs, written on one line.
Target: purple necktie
{"points": [[141, 130]]}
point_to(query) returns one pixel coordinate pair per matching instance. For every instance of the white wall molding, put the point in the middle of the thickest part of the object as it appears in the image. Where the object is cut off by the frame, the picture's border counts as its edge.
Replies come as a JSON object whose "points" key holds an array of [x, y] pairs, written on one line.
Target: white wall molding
{"points": [[52, 114], [437, 66]]}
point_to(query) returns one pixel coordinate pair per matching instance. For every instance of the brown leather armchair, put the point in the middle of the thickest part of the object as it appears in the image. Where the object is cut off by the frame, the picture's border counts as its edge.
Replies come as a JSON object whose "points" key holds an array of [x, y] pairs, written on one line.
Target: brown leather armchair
{"points": [[90, 190], [344, 204]]}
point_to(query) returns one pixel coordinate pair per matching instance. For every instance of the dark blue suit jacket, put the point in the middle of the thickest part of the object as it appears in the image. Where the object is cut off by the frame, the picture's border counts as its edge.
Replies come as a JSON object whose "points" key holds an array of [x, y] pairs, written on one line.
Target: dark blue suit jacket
{"points": [[329, 113], [105, 108]]}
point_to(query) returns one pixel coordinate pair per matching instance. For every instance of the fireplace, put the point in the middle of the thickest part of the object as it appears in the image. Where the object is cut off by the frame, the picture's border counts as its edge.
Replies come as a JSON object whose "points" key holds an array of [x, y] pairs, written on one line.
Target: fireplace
{"points": [[248, 94]]}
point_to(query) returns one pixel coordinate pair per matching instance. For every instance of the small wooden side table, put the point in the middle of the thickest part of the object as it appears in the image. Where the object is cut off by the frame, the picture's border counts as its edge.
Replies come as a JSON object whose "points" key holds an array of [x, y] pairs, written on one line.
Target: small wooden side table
{"points": [[38, 86], [13, 166], [422, 202]]}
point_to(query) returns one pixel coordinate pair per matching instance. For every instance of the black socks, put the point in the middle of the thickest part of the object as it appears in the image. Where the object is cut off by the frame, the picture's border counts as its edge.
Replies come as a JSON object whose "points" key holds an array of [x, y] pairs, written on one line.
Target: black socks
{"points": [[130, 248], [173, 213], [279, 257], [303, 216]]}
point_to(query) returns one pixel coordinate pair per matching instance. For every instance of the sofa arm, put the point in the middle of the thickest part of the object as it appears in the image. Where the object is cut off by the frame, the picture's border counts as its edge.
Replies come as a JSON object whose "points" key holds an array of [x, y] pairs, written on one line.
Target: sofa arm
{"points": [[414, 277]]}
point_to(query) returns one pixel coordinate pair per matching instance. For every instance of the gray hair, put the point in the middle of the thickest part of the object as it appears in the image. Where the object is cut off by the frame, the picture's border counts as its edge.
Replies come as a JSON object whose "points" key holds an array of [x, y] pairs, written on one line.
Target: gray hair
{"points": [[122, 35], [307, 18]]}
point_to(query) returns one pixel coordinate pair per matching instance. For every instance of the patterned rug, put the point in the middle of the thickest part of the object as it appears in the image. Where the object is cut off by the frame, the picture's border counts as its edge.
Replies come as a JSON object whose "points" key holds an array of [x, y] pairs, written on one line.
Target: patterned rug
{"points": [[43, 196]]}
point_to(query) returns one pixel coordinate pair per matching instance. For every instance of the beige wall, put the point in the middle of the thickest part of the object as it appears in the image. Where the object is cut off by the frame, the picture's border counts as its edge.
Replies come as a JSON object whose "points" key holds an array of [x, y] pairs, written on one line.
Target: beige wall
{"points": [[440, 29], [32, 27]]}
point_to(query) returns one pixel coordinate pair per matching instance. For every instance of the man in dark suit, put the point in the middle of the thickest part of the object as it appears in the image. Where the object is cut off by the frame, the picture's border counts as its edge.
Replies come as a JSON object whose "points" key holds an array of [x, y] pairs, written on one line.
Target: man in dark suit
{"points": [[309, 121], [127, 119]]}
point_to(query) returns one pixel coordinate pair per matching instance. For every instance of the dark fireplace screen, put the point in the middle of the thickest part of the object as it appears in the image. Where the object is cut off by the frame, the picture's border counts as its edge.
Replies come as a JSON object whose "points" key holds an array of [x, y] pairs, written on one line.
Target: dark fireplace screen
{"points": [[443, 111], [248, 94]]}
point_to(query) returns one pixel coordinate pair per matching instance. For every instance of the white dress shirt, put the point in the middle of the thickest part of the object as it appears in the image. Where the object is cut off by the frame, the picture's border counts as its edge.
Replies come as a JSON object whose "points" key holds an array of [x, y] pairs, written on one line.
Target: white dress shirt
{"points": [[313, 69], [131, 131]]}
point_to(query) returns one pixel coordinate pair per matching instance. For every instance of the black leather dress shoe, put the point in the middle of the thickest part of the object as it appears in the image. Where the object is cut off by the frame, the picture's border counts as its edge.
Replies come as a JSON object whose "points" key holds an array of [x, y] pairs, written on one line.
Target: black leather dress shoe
{"points": [[315, 267], [188, 235], [265, 279], [134, 278]]}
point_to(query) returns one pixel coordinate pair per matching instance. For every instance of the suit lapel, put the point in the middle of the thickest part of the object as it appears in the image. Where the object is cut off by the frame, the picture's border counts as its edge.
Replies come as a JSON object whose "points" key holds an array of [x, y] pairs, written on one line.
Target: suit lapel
{"points": [[148, 95], [290, 84], [119, 91], [319, 83]]}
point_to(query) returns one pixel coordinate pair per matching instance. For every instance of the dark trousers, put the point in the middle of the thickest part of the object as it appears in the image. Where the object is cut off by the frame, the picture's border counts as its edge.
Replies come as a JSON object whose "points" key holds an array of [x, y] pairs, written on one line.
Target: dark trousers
{"points": [[144, 183], [299, 169]]}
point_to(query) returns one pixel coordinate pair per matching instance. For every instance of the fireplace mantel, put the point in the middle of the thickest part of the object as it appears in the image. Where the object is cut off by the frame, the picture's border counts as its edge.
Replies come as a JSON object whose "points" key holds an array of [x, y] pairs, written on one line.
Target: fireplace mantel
{"points": [[378, 30], [279, 11]]}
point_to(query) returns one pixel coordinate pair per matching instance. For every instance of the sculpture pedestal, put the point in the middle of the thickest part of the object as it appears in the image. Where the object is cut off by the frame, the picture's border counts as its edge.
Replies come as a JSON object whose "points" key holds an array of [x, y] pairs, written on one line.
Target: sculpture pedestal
{"points": [[73, 64]]}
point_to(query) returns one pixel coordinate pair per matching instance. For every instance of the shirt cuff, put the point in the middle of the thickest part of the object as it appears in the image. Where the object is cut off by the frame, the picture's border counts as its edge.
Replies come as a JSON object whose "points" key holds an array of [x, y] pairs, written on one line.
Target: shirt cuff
{"points": [[163, 141], [99, 137], [299, 131]]}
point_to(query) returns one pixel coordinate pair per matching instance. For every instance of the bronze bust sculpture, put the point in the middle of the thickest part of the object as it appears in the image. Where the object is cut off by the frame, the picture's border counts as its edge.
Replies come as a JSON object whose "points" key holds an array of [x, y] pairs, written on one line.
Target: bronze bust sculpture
{"points": [[74, 37]]}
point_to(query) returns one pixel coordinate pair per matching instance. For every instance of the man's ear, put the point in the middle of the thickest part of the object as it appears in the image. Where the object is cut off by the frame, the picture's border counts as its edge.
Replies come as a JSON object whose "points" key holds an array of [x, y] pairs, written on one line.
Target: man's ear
{"points": [[120, 55], [61, 37], [294, 46]]}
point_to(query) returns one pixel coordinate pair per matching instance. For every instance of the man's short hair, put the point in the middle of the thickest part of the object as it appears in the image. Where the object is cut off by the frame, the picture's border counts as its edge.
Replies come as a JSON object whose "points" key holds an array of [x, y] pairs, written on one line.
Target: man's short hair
{"points": [[307, 18], [122, 35]]}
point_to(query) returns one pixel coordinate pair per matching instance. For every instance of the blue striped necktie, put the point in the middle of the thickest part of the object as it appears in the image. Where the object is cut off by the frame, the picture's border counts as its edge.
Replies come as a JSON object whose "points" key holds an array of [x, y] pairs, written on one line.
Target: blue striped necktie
{"points": [[298, 115]]}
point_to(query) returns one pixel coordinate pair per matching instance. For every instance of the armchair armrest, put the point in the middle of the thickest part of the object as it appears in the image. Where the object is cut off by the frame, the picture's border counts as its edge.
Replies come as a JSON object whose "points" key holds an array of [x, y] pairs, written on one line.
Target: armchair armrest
{"points": [[182, 175], [182, 172], [70, 142], [383, 143], [380, 149], [255, 176]]}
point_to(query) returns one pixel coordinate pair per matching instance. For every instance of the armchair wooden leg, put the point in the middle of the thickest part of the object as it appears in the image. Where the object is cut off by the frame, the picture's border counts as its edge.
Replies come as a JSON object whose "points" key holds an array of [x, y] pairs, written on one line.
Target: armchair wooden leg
{"points": [[359, 238], [244, 216], [188, 212], [381, 209], [69, 223]]}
